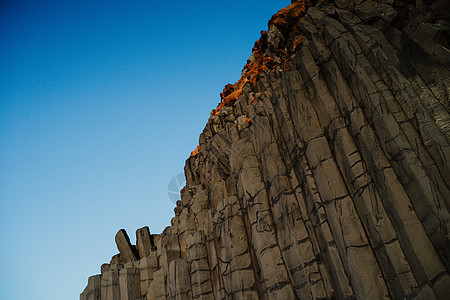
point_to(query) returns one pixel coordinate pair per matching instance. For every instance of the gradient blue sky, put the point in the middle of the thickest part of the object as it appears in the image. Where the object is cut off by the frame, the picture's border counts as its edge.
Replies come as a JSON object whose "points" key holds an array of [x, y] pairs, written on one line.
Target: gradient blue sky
{"points": [[101, 102]]}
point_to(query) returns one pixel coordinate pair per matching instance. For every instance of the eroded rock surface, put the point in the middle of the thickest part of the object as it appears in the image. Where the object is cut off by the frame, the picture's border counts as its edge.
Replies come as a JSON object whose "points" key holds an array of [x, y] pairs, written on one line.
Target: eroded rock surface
{"points": [[322, 174]]}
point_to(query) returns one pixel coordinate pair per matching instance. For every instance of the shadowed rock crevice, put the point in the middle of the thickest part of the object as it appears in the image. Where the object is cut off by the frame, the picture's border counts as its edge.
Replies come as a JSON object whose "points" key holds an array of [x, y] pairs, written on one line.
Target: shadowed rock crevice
{"points": [[323, 173]]}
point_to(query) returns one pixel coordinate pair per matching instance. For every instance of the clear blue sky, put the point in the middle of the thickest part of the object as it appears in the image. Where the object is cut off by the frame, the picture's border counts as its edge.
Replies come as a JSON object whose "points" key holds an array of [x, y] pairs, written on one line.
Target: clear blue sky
{"points": [[101, 102]]}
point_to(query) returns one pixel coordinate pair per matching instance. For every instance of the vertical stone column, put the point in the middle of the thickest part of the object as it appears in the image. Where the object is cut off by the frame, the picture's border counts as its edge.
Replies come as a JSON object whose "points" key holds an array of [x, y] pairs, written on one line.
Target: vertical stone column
{"points": [[233, 254], [143, 242], [178, 280], [110, 285], [147, 266], [198, 265], [129, 282], [157, 288], [92, 290]]}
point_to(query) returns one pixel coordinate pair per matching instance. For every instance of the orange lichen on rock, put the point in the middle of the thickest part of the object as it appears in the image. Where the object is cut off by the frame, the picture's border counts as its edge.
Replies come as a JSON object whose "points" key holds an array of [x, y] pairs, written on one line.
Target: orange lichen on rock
{"points": [[252, 70], [288, 16], [195, 152], [285, 20], [249, 121], [230, 92], [298, 36], [298, 40]]}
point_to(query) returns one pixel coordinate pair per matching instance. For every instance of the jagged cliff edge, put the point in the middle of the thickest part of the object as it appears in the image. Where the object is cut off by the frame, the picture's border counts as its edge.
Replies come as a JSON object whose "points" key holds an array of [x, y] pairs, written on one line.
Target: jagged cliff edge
{"points": [[323, 172]]}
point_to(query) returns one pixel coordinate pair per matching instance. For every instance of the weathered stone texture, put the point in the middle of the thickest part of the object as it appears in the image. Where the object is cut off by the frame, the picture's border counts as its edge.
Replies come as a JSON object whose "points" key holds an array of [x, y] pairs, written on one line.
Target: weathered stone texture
{"points": [[323, 173], [127, 252], [144, 243]]}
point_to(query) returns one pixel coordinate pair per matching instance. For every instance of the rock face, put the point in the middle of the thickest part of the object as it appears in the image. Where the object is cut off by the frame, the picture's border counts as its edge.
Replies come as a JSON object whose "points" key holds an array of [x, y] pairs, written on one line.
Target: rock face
{"points": [[322, 174]]}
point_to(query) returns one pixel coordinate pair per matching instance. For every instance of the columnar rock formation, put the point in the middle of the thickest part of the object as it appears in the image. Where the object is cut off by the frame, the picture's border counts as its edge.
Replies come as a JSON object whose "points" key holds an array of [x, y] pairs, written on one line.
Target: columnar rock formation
{"points": [[323, 173]]}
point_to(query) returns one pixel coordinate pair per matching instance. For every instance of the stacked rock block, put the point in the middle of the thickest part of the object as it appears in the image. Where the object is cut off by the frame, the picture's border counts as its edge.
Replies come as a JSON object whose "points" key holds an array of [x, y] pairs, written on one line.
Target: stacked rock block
{"points": [[322, 174], [130, 273]]}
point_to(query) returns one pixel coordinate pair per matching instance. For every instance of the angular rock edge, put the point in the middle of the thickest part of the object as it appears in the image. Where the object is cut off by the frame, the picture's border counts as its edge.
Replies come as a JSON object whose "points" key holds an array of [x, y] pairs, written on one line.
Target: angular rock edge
{"points": [[322, 174]]}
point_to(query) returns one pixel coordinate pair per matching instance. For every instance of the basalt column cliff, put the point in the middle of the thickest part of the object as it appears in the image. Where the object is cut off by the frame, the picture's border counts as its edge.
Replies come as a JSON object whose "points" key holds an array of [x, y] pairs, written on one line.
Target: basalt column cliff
{"points": [[322, 174]]}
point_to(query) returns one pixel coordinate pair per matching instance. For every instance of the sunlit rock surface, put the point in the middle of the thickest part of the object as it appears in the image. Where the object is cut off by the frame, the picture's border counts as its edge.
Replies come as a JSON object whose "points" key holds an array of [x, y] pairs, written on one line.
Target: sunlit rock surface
{"points": [[322, 174]]}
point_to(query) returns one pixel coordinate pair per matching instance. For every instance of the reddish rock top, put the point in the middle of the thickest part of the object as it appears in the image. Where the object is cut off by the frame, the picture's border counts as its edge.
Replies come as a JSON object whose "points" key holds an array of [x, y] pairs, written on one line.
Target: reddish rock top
{"points": [[285, 21], [195, 152]]}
